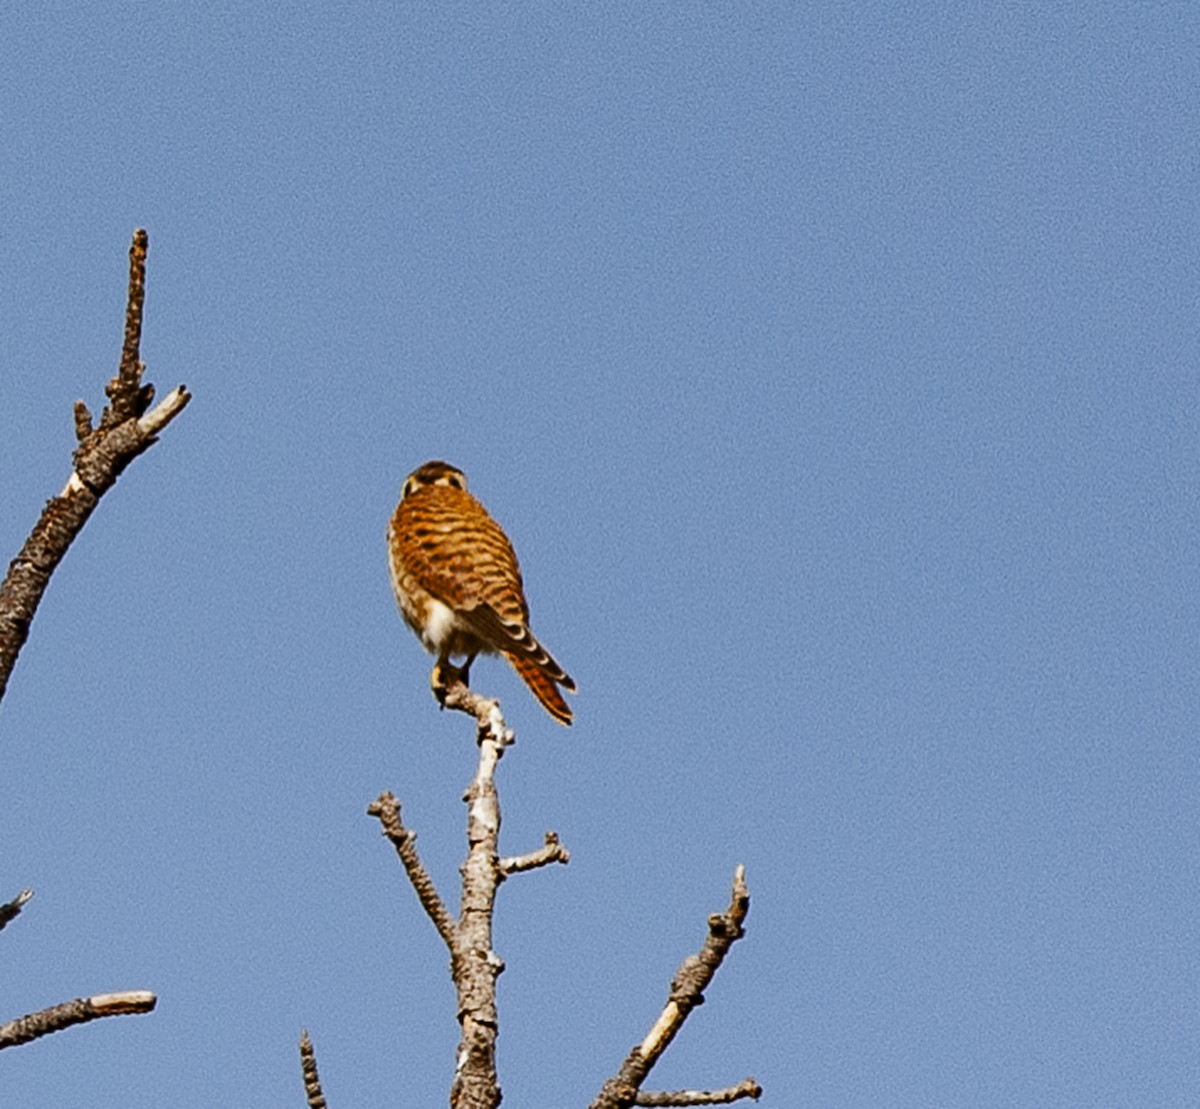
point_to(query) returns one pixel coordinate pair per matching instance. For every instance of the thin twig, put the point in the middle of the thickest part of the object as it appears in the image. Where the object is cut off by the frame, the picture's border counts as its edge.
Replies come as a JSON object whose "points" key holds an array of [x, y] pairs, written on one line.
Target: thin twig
{"points": [[687, 991], [746, 1088], [79, 1011], [312, 1080], [552, 852], [126, 429], [387, 809], [10, 910], [130, 372]]}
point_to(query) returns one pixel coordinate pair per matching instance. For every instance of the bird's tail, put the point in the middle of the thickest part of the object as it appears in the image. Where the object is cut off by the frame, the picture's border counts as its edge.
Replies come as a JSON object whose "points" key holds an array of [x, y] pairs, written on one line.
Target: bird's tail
{"points": [[543, 684]]}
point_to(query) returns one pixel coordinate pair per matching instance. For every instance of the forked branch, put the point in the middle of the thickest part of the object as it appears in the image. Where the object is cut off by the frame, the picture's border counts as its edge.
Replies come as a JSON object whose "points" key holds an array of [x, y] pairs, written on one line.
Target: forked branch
{"points": [[474, 965], [128, 426], [79, 1011], [687, 991]]}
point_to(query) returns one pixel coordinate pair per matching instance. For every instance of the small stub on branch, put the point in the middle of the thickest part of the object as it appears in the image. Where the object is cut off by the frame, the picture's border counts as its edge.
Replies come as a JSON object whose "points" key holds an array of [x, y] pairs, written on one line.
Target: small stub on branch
{"points": [[746, 1088], [552, 852]]}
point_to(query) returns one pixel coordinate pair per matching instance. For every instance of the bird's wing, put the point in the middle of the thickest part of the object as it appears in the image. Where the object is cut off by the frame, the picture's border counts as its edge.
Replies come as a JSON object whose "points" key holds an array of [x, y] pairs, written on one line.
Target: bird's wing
{"points": [[513, 639]]}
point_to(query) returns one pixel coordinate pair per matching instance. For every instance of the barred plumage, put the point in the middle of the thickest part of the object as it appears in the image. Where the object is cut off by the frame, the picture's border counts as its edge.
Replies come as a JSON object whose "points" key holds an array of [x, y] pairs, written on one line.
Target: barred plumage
{"points": [[458, 584]]}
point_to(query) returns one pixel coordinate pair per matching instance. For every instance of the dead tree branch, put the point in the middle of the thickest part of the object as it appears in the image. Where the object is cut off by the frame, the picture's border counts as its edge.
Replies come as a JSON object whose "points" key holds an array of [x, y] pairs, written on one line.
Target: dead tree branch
{"points": [[473, 964], [746, 1088], [10, 910], [312, 1080], [79, 1011], [489, 723], [387, 809], [687, 991], [476, 966], [551, 852], [128, 426]]}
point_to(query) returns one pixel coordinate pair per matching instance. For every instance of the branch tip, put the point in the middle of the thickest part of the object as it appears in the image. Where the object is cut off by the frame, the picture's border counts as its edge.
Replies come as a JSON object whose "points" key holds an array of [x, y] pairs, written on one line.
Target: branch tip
{"points": [[127, 1001], [748, 1087], [308, 1067], [79, 1011], [83, 421], [12, 909]]}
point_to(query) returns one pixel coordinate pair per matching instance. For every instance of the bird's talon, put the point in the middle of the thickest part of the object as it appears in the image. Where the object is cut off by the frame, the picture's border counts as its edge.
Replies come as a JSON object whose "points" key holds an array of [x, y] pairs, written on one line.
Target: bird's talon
{"points": [[437, 683], [445, 675]]}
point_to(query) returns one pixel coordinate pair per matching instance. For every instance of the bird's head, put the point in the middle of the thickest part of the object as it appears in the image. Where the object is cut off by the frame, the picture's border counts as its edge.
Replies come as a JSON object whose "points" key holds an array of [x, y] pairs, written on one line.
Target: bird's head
{"points": [[434, 473]]}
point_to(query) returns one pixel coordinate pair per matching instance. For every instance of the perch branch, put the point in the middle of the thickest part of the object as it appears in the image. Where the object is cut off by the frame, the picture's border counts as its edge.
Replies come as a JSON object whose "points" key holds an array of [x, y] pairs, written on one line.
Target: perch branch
{"points": [[387, 809], [687, 991], [79, 1011], [476, 966], [552, 852], [10, 910], [128, 426], [455, 694], [312, 1080]]}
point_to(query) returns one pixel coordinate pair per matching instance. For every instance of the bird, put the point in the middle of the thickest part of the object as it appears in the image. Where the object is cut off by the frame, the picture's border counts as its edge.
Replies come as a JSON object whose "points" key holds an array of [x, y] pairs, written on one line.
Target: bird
{"points": [[458, 586]]}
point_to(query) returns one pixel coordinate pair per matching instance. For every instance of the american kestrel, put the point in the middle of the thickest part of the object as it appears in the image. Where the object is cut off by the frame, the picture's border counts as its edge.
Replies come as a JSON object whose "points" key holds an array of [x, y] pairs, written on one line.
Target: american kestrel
{"points": [[458, 585]]}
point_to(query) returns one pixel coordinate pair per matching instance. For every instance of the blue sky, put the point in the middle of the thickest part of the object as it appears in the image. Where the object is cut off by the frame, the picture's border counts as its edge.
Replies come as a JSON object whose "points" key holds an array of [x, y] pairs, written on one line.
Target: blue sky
{"points": [[834, 371]]}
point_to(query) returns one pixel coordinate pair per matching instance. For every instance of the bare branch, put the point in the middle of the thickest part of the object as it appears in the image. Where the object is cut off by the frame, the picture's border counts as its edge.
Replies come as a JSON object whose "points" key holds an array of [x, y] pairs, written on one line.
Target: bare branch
{"points": [[164, 412], [455, 694], [126, 429], [746, 1088], [476, 966], [10, 910], [387, 809], [121, 391], [79, 1011], [696, 971], [552, 852], [687, 991], [312, 1081]]}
